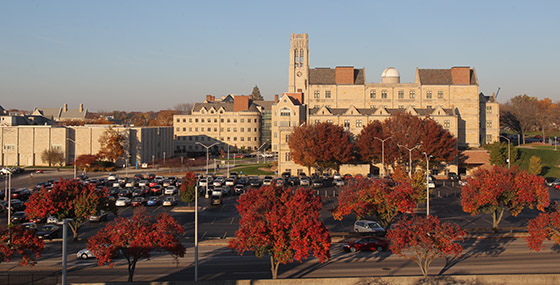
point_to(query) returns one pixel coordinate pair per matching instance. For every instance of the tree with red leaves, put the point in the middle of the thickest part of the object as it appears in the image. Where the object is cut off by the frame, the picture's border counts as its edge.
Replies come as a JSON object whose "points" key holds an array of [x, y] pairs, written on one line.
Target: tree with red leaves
{"points": [[18, 241], [135, 238], [370, 148], [545, 226], [423, 238], [68, 199], [381, 199], [188, 186], [283, 223], [323, 146], [86, 161], [499, 189]]}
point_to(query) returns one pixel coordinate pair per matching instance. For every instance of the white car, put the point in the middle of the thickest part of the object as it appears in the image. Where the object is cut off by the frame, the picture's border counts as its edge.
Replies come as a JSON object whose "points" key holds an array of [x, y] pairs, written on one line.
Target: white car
{"points": [[170, 190], [122, 202], [230, 182], [85, 254], [169, 201], [53, 220], [338, 182]]}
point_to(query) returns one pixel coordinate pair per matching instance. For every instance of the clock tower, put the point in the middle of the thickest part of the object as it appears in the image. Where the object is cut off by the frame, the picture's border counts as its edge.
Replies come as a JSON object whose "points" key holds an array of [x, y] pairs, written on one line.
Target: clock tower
{"points": [[299, 64]]}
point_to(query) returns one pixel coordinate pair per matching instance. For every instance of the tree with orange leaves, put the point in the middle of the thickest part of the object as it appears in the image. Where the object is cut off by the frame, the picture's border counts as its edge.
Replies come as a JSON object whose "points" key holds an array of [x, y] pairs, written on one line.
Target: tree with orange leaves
{"points": [[112, 145], [16, 241], [499, 189]]}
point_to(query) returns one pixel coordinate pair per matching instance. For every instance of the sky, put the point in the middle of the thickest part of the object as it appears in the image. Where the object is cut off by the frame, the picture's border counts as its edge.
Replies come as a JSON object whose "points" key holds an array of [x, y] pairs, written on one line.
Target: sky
{"points": [[152, 55]]}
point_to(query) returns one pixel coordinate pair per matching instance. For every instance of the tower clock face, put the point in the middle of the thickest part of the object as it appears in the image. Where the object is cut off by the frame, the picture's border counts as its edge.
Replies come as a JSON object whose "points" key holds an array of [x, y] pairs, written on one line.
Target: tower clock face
{"points": [[299, 73]]}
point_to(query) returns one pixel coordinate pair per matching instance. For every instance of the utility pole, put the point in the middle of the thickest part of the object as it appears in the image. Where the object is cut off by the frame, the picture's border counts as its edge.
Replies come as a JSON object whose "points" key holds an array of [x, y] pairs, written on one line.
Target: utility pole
{"points": [[409, 157], [427, 183], [383, 152]]}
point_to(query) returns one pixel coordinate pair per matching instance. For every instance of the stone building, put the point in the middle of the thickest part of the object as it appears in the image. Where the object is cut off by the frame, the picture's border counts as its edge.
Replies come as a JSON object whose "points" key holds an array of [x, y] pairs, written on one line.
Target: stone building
{"points": [[62, 114], [24, 145], [342, 96]]}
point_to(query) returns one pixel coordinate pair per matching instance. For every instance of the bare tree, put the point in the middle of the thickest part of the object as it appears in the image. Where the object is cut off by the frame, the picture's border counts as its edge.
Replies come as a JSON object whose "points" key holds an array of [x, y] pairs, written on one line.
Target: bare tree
{"points": [[520, 114], [53, 156], [184, 108]]}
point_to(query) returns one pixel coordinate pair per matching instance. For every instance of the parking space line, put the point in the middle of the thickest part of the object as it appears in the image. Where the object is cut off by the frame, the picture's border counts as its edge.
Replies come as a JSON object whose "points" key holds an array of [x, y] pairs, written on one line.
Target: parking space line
{"points": [[214, 220], [232, 219], [224, 236]]}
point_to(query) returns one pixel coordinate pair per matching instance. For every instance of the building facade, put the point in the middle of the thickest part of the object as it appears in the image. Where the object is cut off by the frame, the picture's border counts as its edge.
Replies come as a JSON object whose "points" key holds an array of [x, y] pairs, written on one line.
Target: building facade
{"points": [[342, 96], [24, 145]]}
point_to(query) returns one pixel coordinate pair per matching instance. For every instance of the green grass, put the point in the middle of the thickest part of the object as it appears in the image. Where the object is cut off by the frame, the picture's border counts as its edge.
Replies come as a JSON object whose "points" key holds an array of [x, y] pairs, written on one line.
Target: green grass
{"points": [[253, 169], [550, 159]]}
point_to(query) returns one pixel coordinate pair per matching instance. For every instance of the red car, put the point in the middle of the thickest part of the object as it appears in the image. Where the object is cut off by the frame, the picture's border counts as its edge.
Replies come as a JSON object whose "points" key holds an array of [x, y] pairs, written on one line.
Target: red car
{"points": [[138, 201], [347, 176], [156, 190], [366, 243], [239, 156]]}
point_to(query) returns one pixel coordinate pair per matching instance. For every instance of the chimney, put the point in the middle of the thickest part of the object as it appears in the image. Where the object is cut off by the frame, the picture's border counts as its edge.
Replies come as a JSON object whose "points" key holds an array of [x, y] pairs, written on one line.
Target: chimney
{"points": [[209, 98], [461, 75], [344, 75], [81, 108], [240, 103], [275, 98], [251, 96], [65, 108]]}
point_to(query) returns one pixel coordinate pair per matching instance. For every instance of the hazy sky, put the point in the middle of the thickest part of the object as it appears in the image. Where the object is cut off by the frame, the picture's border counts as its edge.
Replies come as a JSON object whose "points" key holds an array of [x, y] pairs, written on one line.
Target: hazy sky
{"points": [[152, 55]]}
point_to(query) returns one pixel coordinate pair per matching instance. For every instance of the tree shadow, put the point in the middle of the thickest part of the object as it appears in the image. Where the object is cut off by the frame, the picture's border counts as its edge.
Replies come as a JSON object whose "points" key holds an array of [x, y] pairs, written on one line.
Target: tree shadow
{"points": [[441, 280], [475, 248]]}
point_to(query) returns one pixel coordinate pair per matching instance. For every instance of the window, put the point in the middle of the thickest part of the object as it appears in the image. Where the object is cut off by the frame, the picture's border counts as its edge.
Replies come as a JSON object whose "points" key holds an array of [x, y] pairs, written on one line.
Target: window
{"points": [[221, 129], [201, 139], [243, 121], [347, 123], [358, 123], [446, 124], [228, 129], [412, 94], [211, 111], [287, 138], [383, 94], [184, 129], [285, 112], [242, 138], [316, 94], [222, 120], [178, 129], [196, 120], [429, 94], [440, 94], [275, 135], [184, 120], [228, 121], [249, 139], [242, 130], [190, 129], [401, 106], [275, 123], [489, 109], [401, 94], [215, 120], [329, 121], [235, 130], [196, 129], [190, 138], [178, 120], [488, 138], [288, 157], [489, 124], [215, 129], [429, 106], [235, 121], [328, 94], [372, 94], [202, 120]]}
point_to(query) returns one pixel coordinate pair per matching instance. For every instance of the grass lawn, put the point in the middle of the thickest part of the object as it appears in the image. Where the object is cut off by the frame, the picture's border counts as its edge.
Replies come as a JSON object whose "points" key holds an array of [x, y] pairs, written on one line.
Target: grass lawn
{"points": [[253, 169], [550, 159]]}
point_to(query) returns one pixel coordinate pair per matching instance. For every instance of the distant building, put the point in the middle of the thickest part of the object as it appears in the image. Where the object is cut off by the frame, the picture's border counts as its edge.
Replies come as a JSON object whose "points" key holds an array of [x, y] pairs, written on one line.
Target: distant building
{"points": [[62, 114]]}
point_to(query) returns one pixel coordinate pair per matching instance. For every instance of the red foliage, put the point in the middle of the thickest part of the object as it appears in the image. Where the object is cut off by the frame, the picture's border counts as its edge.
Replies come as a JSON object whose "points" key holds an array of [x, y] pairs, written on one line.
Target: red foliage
{"points": [[494, 191], [16, 240], [369, 147], [381, 199], [86, 160], [545, 226], [425, 238], [67, 199], [136, 238], [282, 223], [323, 145]]}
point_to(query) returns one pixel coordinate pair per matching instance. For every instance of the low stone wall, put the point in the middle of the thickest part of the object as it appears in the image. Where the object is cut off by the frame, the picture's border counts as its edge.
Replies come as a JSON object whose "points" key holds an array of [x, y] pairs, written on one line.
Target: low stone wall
{"points": [[533, 279]]}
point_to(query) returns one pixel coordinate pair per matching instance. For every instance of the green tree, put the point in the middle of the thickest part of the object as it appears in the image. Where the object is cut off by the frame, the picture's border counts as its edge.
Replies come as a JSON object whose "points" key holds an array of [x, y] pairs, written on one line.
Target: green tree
{"points": [[499, 153], [257, 94], [535, 165], [53, 156]]}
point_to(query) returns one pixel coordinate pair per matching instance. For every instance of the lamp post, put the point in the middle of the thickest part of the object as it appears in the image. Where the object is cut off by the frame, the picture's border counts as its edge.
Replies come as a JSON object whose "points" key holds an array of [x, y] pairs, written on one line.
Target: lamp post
{"points": [[153, 162], [409, 157], [383, 152], [196, 213], [555, 143], [227, 160], [164, 159], [74, 142], [258, 150], [509, 152], [427, 183], [64, 248], [9, 193]]}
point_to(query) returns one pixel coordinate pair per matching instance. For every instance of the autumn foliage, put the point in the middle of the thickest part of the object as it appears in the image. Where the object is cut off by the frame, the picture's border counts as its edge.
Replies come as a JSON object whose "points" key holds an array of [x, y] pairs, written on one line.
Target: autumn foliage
{"points": [[136, 238], [68, 199], [381, 199], [545, 226], [112, 145], [85, 161], [424, 238], [499, 189], [323, 146], [284, 224], [188, 186], [16, 241]]}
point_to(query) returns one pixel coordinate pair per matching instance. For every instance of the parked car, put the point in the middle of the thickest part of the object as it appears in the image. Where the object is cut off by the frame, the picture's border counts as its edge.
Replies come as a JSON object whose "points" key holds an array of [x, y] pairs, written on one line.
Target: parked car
{"points": [[255, 182], [362, 226], [19, 217], [153, 201], [101, 216], [122, 202], [53, 220], [156, 190], [138, 201], [29, 226], [347, 176], [267, 180], [239, 189], [337, 176], [367, 243], [243, 181], [48, 232], [317, 183], [551, 181], [170, 190], [216, 200], [85, 254], [169, 201], [280, 181], [452, 176], [305, 181], [230, 182], [338, 182]]}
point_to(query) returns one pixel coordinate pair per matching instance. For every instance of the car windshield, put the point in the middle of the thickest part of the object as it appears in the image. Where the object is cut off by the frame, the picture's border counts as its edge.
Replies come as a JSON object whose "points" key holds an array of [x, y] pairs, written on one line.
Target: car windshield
{"points": [[373, 225]]}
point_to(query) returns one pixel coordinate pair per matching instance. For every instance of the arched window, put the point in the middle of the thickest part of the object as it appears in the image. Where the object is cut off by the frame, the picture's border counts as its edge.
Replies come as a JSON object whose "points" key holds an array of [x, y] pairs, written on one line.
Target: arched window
{"points": [[285, 112], [295, 57], [301, 57]]}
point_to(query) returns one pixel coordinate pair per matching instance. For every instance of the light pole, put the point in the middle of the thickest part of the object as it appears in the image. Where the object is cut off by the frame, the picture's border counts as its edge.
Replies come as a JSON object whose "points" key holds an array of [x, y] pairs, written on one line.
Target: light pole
{"points": [[196, 213], [427, 183], [409, 157], [164, 159], [153, 162], [227, 160], [74, 142], [383, 152], [64, 248], [9, 193], [509, 152], [555, 143]]}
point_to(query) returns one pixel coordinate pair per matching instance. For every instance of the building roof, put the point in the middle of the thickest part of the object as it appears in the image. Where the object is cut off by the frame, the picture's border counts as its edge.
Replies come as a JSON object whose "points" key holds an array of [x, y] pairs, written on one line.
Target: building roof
{"points": [[62, 113], [371, 111], [228, 106], [266, 105], [474, 157], [440, 77], [325, 75]]}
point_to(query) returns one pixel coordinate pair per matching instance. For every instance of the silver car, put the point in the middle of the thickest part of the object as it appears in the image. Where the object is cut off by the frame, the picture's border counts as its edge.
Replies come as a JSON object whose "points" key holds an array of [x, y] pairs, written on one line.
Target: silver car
{"points": [[365, 226], [85, 254]]}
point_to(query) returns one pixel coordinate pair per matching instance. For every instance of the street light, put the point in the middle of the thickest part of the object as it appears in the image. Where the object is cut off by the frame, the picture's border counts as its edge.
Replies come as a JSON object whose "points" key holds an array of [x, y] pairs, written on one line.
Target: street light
{"points": [[196, 213], [64, 248], [409, 157], [258, 150], [509, 152], [74, 142], [383, 152], [427, 183], [9, 193]]}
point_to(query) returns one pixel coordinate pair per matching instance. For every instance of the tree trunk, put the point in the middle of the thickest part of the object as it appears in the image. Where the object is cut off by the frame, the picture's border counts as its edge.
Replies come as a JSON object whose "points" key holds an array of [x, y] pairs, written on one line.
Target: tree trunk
{"points": [[496, 218], [74, 227], [274, 267], [131, 267]]}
